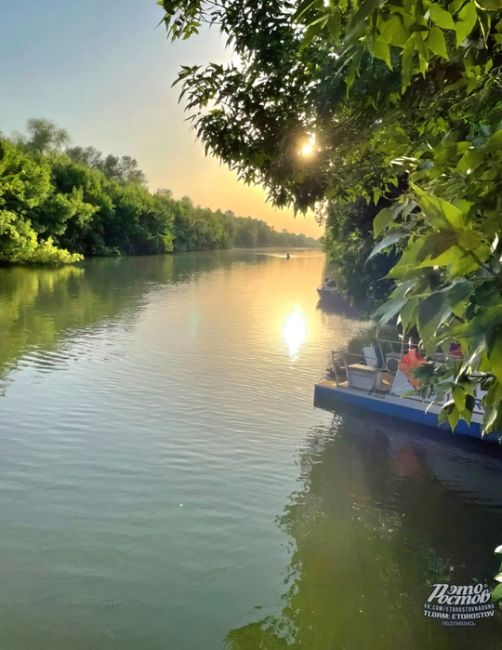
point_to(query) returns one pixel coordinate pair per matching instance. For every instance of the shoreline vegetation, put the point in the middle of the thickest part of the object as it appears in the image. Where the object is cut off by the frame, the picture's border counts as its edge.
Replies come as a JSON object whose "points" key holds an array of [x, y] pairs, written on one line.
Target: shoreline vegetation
{"points": [[60, 204]]}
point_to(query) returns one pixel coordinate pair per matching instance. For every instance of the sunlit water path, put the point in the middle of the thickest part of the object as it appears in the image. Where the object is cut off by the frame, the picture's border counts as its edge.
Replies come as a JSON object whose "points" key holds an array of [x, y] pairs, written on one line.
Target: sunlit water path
{"points": [[166, 483]]}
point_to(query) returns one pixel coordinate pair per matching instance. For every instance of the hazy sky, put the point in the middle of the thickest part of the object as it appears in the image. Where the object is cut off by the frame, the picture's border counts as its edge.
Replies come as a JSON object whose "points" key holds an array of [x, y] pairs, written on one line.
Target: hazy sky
{"points": [[103, 70]]}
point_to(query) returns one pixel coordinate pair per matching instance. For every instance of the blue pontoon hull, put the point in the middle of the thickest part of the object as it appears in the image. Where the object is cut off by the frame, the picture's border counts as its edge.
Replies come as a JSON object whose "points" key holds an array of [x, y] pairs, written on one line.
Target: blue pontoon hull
{"points": [[328, 395]]}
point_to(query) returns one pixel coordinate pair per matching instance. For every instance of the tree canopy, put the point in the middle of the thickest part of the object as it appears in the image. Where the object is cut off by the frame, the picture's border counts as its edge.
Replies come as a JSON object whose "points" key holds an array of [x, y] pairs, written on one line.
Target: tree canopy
{"points": [[387, 115], [58, 205]]}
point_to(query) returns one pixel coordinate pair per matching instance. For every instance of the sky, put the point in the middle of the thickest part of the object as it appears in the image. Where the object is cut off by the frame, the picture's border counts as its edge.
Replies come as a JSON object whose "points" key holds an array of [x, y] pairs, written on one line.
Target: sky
{"points": [[103, 70]]}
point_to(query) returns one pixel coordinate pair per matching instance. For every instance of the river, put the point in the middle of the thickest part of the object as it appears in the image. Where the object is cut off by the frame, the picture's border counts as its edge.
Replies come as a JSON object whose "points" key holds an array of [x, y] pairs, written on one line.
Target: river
{"points": [[166, 482]]}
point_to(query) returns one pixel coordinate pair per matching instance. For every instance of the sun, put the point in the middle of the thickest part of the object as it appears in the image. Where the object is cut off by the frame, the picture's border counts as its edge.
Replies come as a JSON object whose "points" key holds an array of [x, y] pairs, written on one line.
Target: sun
{"points": [[307, 147]]}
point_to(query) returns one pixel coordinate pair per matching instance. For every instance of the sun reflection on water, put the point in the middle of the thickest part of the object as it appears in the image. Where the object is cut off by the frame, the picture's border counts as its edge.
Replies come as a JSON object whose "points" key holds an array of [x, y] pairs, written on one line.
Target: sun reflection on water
{"points": [[294, 331]]}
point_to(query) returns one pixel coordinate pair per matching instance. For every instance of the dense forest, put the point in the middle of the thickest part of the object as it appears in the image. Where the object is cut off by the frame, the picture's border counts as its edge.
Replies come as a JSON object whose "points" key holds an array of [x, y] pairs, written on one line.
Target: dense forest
{"points": [[60, 203]]}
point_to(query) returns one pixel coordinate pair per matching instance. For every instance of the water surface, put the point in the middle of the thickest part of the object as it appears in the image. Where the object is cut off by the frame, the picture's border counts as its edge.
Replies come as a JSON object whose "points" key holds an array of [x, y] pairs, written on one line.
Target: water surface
{"points": [[166, 482]]}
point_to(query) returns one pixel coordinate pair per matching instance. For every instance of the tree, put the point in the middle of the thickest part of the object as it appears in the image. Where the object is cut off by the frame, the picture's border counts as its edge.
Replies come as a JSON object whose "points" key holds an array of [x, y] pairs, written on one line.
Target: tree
{"points": [[124, 170], [45, 136], [24, 186], [397, 103], [349, 245], [86, 155], [448, 278], [260, 115]]}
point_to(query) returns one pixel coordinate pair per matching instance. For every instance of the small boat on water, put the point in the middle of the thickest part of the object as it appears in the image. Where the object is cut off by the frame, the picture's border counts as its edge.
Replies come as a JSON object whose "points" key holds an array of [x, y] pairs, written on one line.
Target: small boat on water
{"points": [[327, 289], [377, 381]]}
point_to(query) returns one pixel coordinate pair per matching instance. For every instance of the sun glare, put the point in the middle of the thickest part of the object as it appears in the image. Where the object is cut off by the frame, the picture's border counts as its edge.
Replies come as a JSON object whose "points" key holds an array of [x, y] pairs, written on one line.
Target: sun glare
{"points": [[307, 147], [295, 331]]}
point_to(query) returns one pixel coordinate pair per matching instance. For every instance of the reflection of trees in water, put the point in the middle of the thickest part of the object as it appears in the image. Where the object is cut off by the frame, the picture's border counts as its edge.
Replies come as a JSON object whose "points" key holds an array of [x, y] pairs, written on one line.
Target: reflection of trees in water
{"points": [[338, 305], [373, 528], [41, 307]]}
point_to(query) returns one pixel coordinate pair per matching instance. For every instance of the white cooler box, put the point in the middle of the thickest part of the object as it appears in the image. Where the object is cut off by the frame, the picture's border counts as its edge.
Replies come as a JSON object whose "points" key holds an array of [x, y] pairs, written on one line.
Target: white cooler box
{"points": [[361, 376]]}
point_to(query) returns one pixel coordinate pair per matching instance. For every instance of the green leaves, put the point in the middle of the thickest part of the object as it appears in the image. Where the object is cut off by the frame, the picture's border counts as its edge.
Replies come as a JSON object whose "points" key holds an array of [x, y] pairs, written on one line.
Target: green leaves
{"points": [[440, 213], [446, 243], [381, 50], [459, 397], [357, 20], [494, 351], [452, 415], [448, 279], [387, 242], [497, 594], [497, 590], [437, 43], [334, 23], [383, 219], [305, 6], [471, 160], [492, 419], [393, 31], [432, 313], [441, 17], [494, 143], [467, 19], [407, 62], [390, 310]]}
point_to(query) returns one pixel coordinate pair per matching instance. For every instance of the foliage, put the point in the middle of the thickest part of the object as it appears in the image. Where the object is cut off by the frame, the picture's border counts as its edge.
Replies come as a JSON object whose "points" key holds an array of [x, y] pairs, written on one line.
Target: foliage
{"points": [[44, 136], [24, 186], [256, 113], [349, 248], [56, 207], [124, 169], [448, 278], [405, 101], [253, 111], [203, 229], [497, 591]]}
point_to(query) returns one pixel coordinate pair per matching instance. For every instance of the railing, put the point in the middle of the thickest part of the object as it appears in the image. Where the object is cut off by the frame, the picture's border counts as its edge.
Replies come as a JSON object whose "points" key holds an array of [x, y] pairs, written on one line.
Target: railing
{"points": [[340, 361], [388, 349], [385, 355]]}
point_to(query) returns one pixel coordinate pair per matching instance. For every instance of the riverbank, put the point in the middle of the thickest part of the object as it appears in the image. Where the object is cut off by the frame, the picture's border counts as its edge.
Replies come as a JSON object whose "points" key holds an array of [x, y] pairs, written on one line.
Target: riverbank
{"points": [[60, 204]]}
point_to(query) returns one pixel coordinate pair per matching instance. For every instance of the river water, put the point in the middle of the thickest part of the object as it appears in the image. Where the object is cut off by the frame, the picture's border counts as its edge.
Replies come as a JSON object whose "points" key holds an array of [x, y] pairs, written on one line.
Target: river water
{"points": [[166, 482]]}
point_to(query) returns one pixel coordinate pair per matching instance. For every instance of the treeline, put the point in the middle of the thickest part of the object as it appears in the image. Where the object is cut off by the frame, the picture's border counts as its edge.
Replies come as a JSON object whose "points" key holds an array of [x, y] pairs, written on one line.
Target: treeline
{"points": [[59, 204]]}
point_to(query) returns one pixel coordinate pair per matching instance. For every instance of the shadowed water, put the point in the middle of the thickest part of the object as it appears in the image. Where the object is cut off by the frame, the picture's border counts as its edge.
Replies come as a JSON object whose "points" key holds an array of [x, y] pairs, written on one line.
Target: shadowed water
{"points": [[166, 482]]}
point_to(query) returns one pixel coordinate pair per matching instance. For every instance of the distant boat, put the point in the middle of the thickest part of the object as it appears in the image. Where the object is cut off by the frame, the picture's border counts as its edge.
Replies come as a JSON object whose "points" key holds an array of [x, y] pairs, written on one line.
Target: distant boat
{"points": [[328, 289]]}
